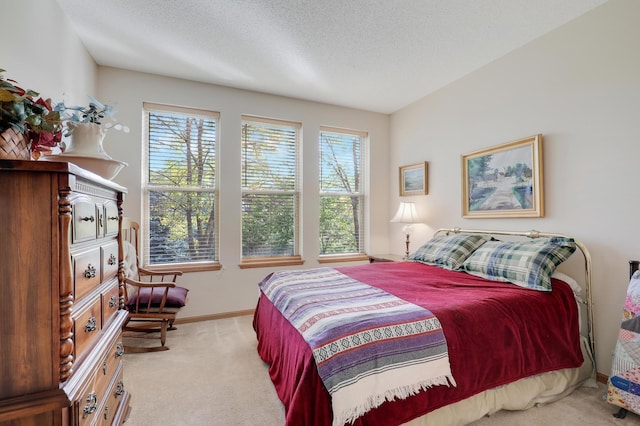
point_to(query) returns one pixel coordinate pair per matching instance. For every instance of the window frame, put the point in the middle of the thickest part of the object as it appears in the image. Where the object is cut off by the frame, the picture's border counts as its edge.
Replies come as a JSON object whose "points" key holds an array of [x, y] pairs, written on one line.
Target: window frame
{"points": [[195, 266], [362, 194], [288, 260]]}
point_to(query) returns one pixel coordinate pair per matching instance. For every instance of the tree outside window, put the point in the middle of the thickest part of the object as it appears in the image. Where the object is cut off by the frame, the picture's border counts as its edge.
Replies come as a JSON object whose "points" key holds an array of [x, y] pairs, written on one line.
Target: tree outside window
{"points": [[270, 195], [180, 185], [341, 192]]}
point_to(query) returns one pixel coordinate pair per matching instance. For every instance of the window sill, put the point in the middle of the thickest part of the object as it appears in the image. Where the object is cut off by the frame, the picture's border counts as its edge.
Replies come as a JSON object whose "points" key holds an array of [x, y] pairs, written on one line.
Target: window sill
{"points": [[186, 267], [331, 258], [265, 262]]}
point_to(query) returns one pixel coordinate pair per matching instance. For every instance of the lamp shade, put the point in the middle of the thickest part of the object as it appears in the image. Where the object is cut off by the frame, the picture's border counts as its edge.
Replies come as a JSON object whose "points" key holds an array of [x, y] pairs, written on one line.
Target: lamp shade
{"points": [[406, 213]]}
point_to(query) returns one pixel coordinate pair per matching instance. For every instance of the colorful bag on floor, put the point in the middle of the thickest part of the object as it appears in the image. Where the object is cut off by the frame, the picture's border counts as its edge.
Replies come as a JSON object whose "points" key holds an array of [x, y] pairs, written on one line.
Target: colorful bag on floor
{"points": [[624, 381]]}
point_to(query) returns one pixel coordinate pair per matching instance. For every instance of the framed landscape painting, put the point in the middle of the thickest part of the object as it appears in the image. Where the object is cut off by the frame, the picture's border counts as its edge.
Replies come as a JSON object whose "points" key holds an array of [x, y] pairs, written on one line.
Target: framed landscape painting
{"points": [[413, 179], [504, 180]]}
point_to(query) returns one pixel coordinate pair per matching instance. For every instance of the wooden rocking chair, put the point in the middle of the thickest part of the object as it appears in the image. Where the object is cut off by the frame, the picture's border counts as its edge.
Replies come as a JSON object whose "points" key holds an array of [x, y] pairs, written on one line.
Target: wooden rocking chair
{"points": [[152, 298]]}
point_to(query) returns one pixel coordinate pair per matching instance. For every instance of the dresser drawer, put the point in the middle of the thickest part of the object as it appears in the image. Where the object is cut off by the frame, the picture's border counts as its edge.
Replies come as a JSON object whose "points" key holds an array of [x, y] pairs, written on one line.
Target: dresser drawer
{"points": [[87, 325], [112, 398], [109, 260], [87, 271], [111, 219], [102, 386], [90, 402], [85, 220], [109, 364], [110, 302]]}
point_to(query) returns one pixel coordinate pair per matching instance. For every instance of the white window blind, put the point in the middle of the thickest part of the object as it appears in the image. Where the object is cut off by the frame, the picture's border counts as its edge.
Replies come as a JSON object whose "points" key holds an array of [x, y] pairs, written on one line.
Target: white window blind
{"points": [[270, 197], [180, 185], [341, 192]]}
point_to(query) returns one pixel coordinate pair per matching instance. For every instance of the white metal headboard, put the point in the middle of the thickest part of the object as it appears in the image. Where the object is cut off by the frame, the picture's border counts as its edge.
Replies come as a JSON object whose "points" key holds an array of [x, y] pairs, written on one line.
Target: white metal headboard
{"points": [[588, 301]]}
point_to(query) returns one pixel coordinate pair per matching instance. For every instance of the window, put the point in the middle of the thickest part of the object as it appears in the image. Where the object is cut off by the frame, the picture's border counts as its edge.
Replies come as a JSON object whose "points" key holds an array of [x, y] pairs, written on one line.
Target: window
{"points": [[341, 192], [270, 193], [180, 190]]}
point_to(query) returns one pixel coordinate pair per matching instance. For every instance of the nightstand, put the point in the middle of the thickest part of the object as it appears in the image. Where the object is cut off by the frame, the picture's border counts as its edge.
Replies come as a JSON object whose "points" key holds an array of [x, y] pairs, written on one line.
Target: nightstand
{"points": [[386, 258]]}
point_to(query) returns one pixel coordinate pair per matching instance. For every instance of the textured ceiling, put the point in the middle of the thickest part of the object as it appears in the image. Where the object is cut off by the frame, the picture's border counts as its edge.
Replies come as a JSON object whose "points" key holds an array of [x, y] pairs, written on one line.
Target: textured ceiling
{"points": [[368, 54]]}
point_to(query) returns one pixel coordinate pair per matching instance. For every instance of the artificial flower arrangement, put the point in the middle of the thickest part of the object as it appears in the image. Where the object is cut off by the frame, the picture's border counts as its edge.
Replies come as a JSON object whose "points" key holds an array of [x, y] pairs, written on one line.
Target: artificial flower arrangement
{"points": [[31, 115], [95, 113], [43, 124]]}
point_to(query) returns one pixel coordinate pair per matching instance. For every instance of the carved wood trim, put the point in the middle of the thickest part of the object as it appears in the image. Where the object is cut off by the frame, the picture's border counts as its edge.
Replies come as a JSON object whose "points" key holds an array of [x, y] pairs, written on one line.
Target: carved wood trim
{"points": [[66, 285], [121, 284]]}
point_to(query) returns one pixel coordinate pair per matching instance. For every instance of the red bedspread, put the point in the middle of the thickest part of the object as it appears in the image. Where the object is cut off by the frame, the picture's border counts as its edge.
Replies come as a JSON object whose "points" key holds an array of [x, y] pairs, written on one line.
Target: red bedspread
{"points": [[496, 333]]}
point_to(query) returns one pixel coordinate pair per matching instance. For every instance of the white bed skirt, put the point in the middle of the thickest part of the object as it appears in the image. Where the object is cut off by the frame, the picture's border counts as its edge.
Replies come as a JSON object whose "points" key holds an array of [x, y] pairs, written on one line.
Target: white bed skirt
{"points": [[520, 395]]}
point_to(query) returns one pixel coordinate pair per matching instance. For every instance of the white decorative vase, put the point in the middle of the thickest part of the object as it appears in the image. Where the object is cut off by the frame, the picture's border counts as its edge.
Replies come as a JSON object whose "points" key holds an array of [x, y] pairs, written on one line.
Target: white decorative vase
{"points": [[86, 140], [87, 152]]}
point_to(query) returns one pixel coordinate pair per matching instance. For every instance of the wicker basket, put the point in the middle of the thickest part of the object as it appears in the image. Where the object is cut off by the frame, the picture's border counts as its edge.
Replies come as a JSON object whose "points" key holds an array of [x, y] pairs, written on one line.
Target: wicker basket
{"points": [[13, 146]]}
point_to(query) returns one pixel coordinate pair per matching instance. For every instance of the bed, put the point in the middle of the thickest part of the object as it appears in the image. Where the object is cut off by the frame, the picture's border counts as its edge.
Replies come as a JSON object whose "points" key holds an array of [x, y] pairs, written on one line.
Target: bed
{"points": [[506, 346]]}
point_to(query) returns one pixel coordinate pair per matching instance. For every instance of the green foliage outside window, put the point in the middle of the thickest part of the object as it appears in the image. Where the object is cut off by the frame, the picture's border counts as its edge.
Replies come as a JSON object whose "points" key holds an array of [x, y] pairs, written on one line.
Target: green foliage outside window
{"points": [[268, 224], [181, 188], [341, 196], [269, 188]]}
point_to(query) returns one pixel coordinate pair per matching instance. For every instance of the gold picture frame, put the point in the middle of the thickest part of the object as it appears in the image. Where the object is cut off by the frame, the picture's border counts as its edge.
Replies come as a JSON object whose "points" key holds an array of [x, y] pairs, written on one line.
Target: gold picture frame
{"points": [[413, 179], [504, 181]]}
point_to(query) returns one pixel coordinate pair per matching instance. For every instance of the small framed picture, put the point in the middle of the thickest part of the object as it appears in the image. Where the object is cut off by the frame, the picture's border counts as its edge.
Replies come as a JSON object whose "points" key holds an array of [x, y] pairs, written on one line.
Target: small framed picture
{"points": [[413, 179]]}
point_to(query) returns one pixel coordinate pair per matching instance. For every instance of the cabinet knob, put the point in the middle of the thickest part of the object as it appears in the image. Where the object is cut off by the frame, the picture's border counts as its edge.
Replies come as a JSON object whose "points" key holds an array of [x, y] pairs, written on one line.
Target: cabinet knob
{"points": [[91, 406], [92, 325], [119, 350], [119, 388], [90, 272]]}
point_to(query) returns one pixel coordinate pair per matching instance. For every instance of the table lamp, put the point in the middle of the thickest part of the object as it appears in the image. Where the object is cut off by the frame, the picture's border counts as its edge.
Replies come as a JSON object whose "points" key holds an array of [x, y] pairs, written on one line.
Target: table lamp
{"points": [[406, 214]]}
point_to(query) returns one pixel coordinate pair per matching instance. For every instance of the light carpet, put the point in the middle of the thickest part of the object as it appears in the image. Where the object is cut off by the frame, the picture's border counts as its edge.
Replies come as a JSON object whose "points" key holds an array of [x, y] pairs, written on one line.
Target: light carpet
{"points": [[212, 375]]}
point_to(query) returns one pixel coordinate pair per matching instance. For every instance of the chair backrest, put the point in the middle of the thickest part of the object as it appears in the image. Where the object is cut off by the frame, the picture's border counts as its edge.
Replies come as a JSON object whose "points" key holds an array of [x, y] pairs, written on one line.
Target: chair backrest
{"points": [[150, 296], [131, 233]]}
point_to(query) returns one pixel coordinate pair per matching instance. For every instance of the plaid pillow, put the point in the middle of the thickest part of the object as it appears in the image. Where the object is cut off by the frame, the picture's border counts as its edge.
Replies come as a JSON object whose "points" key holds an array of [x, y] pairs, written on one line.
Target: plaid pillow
{"points": [[448, 251], [527, 264]]}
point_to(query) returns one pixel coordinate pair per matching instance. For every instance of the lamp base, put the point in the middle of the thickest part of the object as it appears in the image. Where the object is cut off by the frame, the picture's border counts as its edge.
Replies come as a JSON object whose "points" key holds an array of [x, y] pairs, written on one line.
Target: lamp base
{"points": [[406, 255]]}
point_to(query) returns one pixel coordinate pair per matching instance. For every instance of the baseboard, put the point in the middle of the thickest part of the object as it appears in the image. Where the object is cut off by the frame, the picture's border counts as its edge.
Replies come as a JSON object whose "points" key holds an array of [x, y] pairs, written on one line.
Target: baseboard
{"points": [[214, 316], [602, 378]]}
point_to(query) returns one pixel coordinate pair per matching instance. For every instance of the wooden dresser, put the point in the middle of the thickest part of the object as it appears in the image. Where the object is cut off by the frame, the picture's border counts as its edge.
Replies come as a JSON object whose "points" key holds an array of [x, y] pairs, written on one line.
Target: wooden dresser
{"points": [[61, 301]]}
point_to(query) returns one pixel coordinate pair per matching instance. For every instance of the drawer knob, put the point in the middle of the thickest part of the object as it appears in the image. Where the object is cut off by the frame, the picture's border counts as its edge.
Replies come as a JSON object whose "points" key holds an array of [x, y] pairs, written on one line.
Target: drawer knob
{"points": [[106, 412], [92, 325], [112, 218], [90, 272], [112, 259], [104, 368], [119, 350], [119, 388], [88, 219], [91, 406], [113, 301]]}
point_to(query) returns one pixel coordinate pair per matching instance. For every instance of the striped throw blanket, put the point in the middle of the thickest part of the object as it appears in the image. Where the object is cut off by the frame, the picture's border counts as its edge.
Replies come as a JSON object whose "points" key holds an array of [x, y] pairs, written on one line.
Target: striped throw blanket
{"points": [[369, 345]]}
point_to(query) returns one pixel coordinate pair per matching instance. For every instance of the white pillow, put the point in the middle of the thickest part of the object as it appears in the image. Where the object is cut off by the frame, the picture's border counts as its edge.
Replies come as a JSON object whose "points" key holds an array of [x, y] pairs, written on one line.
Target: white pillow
{"points": [[577, 290], [130, 261]]}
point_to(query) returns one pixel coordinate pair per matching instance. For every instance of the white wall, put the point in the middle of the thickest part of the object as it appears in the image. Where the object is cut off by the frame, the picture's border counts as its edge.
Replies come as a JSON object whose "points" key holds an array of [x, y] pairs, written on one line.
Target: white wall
{"points": [[41, 51], [233, 289], [579, 86]]}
